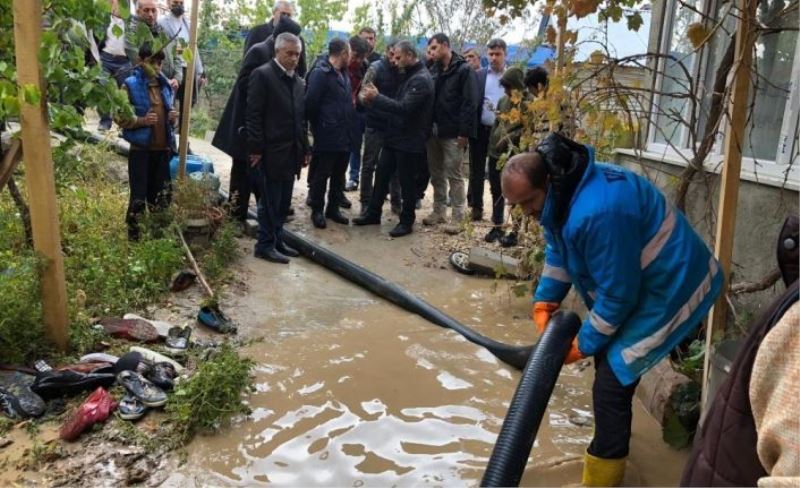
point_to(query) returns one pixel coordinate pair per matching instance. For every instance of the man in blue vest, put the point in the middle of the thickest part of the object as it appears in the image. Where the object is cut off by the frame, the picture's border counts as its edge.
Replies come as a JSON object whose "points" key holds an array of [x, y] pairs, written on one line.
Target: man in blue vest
{"points": [[151, 136], [645, 275]]}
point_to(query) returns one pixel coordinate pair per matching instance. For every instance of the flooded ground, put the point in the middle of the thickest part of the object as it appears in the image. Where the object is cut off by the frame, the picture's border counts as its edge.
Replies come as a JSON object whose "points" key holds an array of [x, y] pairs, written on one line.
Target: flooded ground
{"points": [[353, 391]]}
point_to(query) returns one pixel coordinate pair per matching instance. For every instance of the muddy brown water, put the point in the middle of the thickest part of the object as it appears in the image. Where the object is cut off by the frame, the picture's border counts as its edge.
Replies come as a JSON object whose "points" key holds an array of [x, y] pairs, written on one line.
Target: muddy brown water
{"points": [[351, 390]]}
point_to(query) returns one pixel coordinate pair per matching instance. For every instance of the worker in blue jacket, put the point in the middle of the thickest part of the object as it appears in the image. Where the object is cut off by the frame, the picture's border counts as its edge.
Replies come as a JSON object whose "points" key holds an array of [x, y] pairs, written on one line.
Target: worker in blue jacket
{"points": [[645, 275]]}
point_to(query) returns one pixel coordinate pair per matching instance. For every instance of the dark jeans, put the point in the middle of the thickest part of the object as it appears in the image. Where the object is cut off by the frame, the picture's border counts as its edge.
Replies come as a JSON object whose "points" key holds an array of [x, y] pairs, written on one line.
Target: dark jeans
{"points": [[355, 156], [407, 166], [119, 68], [423, 178], [498, 202], [240, 189], [273, 206], [327, 166], [478, 149], [612, 412], [150, 186], [373, 143]]}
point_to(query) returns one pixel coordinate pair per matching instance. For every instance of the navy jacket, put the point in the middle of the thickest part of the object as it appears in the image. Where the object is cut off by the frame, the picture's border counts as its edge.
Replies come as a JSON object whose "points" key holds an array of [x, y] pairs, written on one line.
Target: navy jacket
{"points": [[329, 109], [456, 101], [410, 112]]}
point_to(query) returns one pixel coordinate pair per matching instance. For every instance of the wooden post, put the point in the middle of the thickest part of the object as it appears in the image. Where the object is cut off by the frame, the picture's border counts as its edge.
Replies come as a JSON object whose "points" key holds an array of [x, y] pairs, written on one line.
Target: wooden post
{"points": [[561, 15], [731, 172], [188, 88], [39, 170]]}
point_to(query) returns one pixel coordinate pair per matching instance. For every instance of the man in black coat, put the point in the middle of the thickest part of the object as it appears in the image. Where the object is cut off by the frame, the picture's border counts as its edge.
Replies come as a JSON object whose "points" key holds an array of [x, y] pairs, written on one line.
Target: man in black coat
{"points": [[277, 142], [407, 131], [261, 32], [229, 136], [331, 113], [454, 120]]}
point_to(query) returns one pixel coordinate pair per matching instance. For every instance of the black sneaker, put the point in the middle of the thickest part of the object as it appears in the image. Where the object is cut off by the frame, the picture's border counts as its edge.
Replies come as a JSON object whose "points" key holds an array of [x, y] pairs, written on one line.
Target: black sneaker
{"points": [[213, 318], [178, 338], [509, 240], [162, 375], [140, 387]]}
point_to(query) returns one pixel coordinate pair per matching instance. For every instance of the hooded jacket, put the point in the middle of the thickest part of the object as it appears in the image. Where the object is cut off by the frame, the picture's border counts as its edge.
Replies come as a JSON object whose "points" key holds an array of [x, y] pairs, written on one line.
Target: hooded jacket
{"points": [[456, 99], [229, 137], [409, 112], [330, 109], [504, 132], [645, 275], [168, 67]]}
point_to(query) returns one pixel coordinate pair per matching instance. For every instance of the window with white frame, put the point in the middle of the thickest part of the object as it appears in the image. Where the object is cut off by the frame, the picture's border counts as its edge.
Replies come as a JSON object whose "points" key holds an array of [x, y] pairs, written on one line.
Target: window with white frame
{"points": [[770, 141]]}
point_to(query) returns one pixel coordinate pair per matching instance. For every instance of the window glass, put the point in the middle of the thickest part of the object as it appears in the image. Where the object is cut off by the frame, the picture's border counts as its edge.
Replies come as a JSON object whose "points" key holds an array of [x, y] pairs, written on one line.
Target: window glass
{"points": [[675, 80], [774, 58]]}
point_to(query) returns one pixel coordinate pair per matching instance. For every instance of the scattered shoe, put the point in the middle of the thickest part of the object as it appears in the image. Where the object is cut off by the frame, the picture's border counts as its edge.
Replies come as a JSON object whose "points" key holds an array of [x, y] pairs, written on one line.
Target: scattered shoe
{"points": [[130, 408], [98, 357], [17, 399], [130, 329], [53, 384], [345, 203], [284, 249], [130, 361], [509, 240], [153, 357], [272, 256], [351, 186], [493, 235], [401, 230], [162, 375], [434, 218], [367, 219], [318, 219], [178, 339], [161, 326], [183, 280], [97, 407], [213, 318], [336, 216], [140, 387]]}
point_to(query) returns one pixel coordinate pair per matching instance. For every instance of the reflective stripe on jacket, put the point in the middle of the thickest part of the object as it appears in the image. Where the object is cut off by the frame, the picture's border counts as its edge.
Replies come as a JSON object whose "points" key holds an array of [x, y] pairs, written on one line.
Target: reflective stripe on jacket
{"points": [[645, 275]]}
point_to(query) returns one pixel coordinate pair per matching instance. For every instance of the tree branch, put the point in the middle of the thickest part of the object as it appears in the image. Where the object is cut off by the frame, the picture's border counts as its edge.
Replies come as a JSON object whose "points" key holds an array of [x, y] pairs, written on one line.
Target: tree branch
{"points": [[750, 287]]}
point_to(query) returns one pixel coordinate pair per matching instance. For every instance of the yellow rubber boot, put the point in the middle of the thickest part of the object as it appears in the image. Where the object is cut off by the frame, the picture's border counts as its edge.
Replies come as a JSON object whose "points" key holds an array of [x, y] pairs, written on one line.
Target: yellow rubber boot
{"points": [[602, 472]]}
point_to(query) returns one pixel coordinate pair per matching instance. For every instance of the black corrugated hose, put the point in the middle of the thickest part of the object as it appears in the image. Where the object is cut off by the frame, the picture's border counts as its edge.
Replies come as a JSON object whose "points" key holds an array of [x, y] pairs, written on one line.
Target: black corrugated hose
{"points": [[513, 446]]}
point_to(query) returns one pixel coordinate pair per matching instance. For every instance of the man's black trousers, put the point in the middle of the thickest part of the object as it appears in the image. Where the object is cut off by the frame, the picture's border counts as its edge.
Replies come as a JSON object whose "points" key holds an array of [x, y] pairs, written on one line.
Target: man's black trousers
{"points": [[150, 186], [273, 207], [327, 166], [240, 189], [478, 149], [408, 166], [612, 412]]}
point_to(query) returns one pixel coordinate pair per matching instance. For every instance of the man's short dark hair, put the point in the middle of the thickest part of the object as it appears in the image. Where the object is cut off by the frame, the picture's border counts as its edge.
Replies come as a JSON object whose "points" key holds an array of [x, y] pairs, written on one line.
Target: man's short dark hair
{"points": [[337, 46], [535, 77], [406, 47], [359, 46], [368, 30], [391, 43], [441, 38], [146, 51], [530, 165], [497, 43]]}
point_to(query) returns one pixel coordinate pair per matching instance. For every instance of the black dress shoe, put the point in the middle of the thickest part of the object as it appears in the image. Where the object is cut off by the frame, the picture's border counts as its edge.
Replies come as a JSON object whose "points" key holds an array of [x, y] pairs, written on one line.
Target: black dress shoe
{"points": [[272, 256], [494, 235], [337, 216], [401, 230], [318, 220], [286, 250], [344, 202], [509, 240], [367, 219]]}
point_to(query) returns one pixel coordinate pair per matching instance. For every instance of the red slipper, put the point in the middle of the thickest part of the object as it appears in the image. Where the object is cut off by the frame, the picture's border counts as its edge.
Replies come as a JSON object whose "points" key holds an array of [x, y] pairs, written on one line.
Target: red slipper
{"points": [[97, 407]]}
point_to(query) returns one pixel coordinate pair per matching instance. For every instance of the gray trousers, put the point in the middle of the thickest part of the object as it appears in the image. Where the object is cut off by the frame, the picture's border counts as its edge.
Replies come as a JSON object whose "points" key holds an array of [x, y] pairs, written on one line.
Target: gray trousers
{"points": [[446, 164]]}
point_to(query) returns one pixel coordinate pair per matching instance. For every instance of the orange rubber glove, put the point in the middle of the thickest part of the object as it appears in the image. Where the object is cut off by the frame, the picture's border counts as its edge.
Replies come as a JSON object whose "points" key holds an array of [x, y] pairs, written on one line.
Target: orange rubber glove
{"points": [[574, 353], [542, 312]]}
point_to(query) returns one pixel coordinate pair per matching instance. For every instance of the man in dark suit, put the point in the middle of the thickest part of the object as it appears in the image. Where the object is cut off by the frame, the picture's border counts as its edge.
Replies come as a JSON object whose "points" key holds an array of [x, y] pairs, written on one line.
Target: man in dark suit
{"points": [[261, 32], [408, 128], [277, 142], [490, 93]]}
